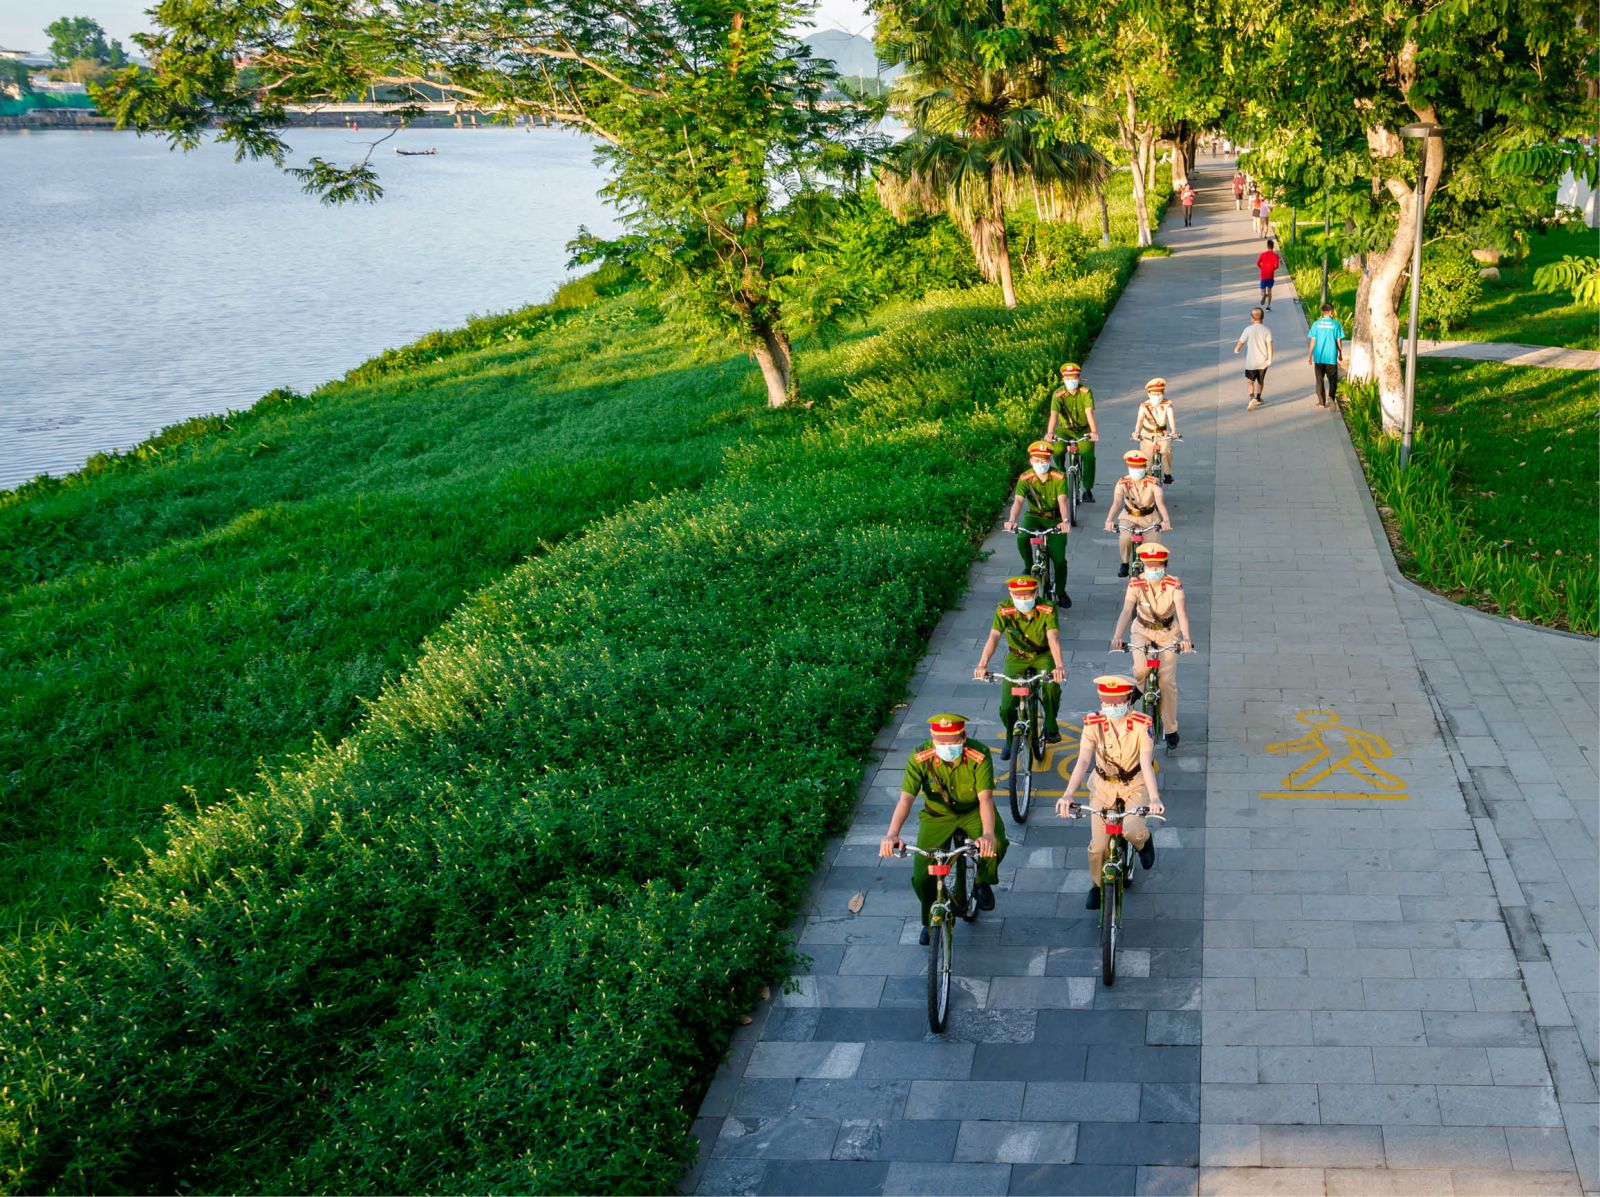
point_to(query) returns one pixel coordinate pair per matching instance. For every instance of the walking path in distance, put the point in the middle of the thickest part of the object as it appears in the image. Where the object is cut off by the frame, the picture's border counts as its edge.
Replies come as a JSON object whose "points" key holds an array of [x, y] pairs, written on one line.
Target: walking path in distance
{"points": [[1548, 356], [1374, 977]]}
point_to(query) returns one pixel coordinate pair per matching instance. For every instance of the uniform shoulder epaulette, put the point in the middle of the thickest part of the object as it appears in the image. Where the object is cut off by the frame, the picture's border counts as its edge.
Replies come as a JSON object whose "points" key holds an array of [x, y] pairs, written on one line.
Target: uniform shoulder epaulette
{"points": [[1045, 608], [1140, 718], [1139, 581], [1057, 476], [1006, 611], [927, 754], [1025, 476], [1173, 583], [1093, 719], [975, 755]]}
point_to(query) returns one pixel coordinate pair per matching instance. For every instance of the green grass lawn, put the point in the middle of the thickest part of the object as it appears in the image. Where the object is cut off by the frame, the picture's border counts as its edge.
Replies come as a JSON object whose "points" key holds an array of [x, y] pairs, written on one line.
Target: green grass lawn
{"points": [[172, 624], [1510, 310], [1529, 468]]}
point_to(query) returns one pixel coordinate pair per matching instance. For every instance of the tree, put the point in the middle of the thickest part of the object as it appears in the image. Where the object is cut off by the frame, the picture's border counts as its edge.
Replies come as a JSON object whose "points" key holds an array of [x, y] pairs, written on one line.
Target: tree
{"points": [[1493, 75], [712, 117], [72, 38], [980, 91]]}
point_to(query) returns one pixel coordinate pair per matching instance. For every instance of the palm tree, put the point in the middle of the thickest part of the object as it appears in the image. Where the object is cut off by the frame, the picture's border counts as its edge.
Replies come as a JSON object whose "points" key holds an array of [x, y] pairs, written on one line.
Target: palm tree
{"points": [[978, 93]]}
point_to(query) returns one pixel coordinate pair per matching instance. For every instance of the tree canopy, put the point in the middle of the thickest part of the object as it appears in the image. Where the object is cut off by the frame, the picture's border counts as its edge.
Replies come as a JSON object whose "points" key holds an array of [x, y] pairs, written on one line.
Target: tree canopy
{"points": [[73, 38]]}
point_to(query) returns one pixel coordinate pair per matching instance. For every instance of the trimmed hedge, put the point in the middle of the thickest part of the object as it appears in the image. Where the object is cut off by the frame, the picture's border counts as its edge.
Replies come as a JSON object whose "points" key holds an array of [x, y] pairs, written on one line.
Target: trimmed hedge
{"points": [[496, 938]]}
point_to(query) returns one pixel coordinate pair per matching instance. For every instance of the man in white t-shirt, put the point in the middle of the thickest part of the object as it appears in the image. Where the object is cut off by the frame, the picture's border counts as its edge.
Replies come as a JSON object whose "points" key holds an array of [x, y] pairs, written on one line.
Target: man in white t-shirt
{"points": [[1256, 341]]}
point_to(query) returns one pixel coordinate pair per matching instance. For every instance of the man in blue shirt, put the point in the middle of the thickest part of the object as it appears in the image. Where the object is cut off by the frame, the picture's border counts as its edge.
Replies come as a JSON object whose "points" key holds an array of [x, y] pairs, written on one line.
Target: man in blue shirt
{"points": [[1324, 351]]}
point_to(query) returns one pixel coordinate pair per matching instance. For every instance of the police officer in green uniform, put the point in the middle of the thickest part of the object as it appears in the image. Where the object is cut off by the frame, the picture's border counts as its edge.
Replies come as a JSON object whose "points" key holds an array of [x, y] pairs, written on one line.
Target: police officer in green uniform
{"points": [[1043, 490], [955, 777], [1032, 641], [1072, 415]]}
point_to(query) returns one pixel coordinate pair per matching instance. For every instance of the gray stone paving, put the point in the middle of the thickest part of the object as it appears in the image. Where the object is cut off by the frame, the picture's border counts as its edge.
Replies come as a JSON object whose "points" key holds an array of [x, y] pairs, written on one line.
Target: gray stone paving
{"points": [[1548, 356], [1390, 992]]}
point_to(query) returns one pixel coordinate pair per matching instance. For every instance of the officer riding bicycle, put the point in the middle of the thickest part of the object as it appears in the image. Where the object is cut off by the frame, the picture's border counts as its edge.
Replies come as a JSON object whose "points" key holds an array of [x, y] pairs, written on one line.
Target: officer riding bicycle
{"points": [[1157, 422], [1116, 744], [1137, 499], [955, 777], [1072, 416], [1155, 605], [1044, 490], [1033, 641]]}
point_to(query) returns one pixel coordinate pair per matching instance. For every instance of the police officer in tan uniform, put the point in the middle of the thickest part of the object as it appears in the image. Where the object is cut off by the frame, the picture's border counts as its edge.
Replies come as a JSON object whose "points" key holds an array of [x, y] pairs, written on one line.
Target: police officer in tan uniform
{"points": [[1116, 743], [1136, 498], [1155, 606], [1156, 419]]}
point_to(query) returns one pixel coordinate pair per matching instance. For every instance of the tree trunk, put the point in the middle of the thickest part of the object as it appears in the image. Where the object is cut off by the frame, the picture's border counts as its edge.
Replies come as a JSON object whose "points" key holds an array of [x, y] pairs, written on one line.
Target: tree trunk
{"points": [[1105, 215], [1008, 291], [1361, 368], [1188, 146], [1137, 144], [1147, 146], [771, 351], [991, 249], [1387, 272]]}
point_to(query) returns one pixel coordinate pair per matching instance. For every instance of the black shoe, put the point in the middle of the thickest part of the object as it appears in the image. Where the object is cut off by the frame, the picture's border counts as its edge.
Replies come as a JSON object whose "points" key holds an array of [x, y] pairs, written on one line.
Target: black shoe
{"points": [[1172, 739], [1147, 854], [1052, 737], [1122, 570], [922, 939], [1094, 898], [984, 892], [1088, 496], [1166, 480], [1005, 753], [1066, 601]]}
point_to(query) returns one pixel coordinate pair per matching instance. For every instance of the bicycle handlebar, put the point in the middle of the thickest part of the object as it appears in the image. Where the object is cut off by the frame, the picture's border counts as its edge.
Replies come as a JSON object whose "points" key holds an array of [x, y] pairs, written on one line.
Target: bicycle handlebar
{"points": [[1069, 440], [1156, 648], [1077, 810], [939, 854], [1020, 681]]}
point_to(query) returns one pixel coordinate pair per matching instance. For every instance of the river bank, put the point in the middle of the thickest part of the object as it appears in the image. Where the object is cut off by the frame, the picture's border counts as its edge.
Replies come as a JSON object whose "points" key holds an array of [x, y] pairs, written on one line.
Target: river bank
{"points": [[433, 826]]}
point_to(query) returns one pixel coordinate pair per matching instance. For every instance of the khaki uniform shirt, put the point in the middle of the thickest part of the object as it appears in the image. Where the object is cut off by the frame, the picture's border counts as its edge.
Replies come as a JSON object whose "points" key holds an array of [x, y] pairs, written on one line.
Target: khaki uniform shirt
{"points": [[962, 782], [1155, 608], [1154, 418], [1138, 498], [1115, 744], [1042, 494], [1027, 636]]}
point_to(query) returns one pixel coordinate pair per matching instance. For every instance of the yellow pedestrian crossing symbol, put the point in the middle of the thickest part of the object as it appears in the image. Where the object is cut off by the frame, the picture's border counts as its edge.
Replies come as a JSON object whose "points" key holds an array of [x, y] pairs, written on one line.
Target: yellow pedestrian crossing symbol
{"points": [[1336, 748]]}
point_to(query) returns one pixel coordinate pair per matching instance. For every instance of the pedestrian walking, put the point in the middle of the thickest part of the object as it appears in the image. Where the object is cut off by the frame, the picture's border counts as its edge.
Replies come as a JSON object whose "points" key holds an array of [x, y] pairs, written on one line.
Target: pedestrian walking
{"points": [[1267, 263], [1254, 197], [1256, 341], [1266, 218], [1186, 198], [1325, 350], [1238, 191]]}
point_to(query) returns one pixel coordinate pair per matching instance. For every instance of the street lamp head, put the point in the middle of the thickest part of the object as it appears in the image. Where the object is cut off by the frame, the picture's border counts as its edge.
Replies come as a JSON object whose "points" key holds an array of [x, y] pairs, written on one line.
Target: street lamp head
{"points": [[1423, 130]]}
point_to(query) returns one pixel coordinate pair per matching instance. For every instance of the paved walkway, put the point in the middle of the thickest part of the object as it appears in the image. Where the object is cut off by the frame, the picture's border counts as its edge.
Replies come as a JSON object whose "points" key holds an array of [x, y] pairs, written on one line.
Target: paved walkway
{"points": [[1365, 961], [1512, 354]]}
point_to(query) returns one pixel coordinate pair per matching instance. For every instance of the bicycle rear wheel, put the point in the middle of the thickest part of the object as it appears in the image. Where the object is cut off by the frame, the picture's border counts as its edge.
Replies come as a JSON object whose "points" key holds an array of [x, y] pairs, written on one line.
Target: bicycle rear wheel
{"points": [[1036, 744], [940, 944]]}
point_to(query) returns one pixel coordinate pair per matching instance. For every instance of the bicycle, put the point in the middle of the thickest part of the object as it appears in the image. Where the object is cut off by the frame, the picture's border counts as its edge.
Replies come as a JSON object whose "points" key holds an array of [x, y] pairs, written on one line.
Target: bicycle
{"points": [[1135, 565], [1150, 698], [948, 905], [1158, 458], [1042, 568], [1074, 467], [1115, 876], [1027, 733]]}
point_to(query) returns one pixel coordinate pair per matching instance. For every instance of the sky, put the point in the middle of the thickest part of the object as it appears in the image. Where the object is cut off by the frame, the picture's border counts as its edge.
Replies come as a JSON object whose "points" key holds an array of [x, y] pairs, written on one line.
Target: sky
{"points": [[22, 22]]}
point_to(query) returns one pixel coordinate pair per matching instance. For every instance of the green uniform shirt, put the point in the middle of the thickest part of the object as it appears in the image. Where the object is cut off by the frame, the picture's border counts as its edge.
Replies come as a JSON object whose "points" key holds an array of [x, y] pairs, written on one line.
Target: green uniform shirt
{"points": [[1042, 494], [972, 773], [1025, 634], [1071, 409]]}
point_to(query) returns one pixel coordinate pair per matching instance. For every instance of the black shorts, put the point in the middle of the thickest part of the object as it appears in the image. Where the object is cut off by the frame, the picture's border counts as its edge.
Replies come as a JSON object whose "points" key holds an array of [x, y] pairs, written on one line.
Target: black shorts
{"points": [[1257, 375]]}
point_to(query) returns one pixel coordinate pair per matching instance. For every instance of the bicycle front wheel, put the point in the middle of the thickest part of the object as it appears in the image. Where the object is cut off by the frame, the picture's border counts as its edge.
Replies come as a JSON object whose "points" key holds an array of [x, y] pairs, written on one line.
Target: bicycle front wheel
{"points": [[940, 944], [1021, 785], [1036, 743], [965, 903], [1109, 897], [1152, 708], [1074, 493]]}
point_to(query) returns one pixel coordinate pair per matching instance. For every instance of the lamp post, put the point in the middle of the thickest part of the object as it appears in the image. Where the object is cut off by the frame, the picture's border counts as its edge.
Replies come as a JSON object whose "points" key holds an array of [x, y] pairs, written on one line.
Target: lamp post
{"points": [[1421, 132], [1325, 202]]}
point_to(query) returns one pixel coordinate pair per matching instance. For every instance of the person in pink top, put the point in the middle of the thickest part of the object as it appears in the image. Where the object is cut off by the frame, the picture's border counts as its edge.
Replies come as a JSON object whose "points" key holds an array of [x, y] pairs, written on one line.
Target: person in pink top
{"points": [[1266, 218], [1186, 198], [1238, 191], [1267, 266]]}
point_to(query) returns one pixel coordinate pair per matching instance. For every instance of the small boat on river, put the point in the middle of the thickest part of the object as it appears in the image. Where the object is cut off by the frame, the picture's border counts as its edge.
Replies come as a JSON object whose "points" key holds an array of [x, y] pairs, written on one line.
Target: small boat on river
{"points": [[418, 153]]}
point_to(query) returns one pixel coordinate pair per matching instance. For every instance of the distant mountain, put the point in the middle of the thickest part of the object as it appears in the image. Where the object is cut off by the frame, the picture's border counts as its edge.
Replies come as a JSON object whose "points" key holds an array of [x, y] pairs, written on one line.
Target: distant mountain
{"points": [[850, 53]]}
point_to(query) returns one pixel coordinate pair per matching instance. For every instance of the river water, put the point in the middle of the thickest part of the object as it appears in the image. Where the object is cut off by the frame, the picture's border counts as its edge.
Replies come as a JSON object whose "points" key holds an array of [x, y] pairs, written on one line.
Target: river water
{"points": [[145, 286]]}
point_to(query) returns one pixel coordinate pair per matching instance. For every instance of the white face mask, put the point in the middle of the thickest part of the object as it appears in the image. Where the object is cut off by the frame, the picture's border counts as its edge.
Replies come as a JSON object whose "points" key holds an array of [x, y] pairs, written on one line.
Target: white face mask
{"points": [[1152, 397], [1114, 710], [1041, 468], [1072, 384], [1136, 473], [949, 753], [1155, 572], [1024, 605]]}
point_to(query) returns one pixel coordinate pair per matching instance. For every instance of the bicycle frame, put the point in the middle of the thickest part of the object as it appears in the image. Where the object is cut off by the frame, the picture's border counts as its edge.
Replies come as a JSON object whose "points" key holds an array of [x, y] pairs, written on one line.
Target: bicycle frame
{"points": [[943, 911], [1135, 565], [1041, 567], [1116, 875], [1150, 696], [1027, 736]]}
